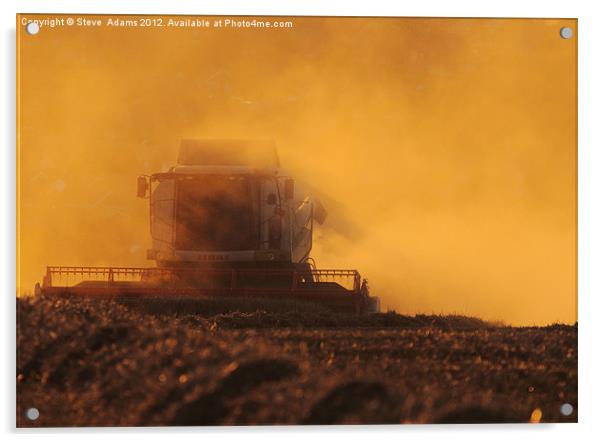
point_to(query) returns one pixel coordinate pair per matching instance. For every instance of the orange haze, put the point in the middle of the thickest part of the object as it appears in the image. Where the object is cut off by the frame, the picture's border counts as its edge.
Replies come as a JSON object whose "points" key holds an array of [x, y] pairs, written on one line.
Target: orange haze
{"points": [[444, 148]]}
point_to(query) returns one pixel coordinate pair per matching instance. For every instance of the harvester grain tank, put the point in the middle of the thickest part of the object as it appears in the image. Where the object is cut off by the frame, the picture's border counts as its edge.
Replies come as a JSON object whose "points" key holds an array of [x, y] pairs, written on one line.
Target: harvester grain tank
{"points": [[224, 222]]}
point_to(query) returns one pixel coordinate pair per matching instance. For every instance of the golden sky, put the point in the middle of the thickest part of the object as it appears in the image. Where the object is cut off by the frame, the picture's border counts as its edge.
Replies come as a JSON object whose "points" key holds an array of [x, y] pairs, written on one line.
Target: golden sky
{"points": [[445, 148]]}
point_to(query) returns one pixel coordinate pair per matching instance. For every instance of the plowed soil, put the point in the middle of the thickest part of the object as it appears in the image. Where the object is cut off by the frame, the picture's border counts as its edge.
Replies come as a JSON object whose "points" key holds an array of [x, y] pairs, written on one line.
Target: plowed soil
{"points": [[97, 363]]}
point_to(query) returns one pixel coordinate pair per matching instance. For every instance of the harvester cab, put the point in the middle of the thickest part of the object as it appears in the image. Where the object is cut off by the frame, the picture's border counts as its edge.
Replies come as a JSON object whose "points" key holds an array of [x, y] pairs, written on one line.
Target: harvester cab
{"points": [[224, 222], [226, 204]]}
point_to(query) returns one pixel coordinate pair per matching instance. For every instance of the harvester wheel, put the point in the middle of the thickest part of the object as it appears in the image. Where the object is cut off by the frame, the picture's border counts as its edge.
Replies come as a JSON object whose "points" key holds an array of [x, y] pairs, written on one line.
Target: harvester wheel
{"points": [[304, 270]]}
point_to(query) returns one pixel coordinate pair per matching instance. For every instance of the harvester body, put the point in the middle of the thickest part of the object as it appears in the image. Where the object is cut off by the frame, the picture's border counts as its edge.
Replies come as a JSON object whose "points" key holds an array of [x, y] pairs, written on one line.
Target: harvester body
{"points": [[223, 204], [224, 222]]}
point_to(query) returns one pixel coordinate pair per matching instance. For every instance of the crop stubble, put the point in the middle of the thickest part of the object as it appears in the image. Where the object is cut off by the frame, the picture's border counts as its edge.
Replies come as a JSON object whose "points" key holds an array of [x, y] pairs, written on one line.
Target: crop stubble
{"points": [[96, 363]]}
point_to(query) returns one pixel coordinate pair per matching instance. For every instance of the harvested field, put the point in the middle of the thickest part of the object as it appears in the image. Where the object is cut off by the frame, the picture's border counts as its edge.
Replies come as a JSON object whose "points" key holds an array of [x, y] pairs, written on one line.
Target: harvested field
{"points": [[86, 363]]}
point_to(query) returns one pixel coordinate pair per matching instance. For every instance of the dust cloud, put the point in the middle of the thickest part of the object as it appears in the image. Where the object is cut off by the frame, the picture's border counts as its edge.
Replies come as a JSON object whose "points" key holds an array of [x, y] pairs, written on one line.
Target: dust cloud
{"points": [[445, 150]]}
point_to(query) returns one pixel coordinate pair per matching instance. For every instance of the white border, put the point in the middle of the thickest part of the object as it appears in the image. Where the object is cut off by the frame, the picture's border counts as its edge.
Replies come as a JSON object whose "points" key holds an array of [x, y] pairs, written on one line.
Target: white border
{"points": [[590, 214]]}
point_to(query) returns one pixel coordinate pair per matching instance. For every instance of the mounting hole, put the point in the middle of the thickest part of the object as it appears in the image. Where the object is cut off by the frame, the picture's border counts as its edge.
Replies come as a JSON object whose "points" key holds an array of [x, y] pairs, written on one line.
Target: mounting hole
{"points": [[32, 28], [566, 32], [32, 414], [566, 409]]}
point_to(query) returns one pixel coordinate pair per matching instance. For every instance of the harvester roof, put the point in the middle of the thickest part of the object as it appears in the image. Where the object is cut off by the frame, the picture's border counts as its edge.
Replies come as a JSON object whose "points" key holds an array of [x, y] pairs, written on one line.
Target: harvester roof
{"points": [[250, 153]]}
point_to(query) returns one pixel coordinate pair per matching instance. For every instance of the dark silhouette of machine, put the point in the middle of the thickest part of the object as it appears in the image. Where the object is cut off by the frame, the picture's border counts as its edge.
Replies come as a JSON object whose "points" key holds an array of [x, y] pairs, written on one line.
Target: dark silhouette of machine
{"points": [[224, 223]]}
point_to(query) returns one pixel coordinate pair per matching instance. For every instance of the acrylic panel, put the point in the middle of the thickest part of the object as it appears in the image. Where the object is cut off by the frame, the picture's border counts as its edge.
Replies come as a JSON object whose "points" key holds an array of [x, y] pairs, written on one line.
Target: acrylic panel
{"points": [[295, 220]]}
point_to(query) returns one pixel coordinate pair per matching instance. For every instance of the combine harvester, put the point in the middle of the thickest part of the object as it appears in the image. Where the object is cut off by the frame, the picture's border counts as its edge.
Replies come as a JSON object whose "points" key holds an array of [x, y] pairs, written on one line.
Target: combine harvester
{"points": [[224, 225]]}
